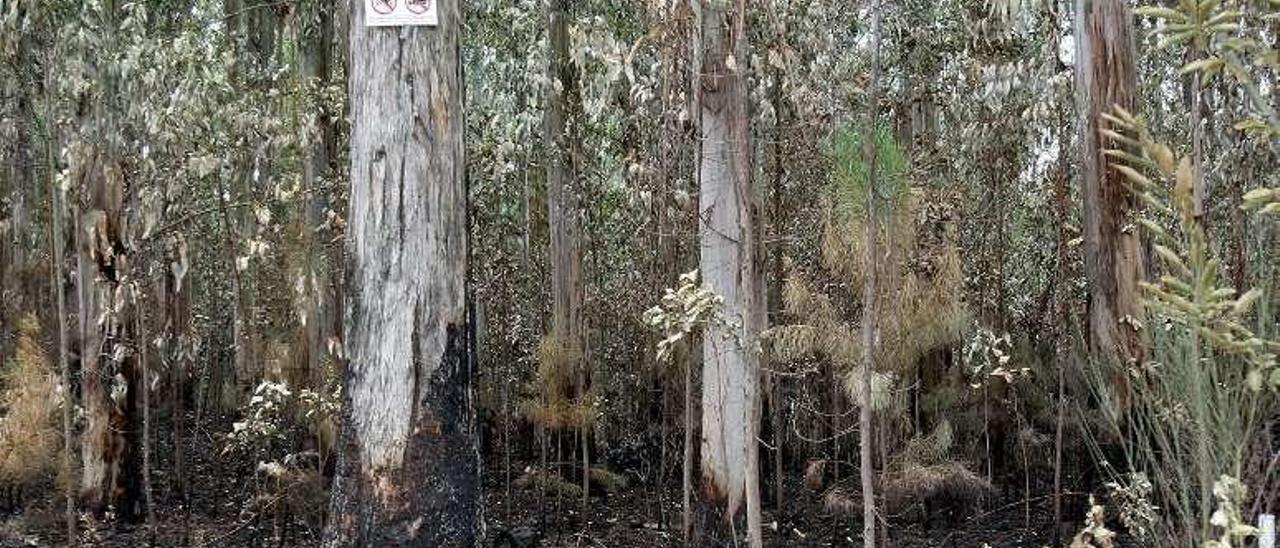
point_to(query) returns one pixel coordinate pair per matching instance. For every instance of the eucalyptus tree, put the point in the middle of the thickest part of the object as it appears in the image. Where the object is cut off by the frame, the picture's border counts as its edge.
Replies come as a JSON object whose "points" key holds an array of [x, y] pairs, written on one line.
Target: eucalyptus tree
{"points": [[730, 382], [408, 471], [561, 123], [1105, 78]]}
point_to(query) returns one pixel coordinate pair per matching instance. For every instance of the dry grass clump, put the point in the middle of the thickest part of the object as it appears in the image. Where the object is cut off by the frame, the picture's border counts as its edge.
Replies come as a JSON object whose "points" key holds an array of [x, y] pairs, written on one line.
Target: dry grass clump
{"points": [[608, 480], [949, 480], [29, 435], [922, 471], [837, 502], [549, 483]]}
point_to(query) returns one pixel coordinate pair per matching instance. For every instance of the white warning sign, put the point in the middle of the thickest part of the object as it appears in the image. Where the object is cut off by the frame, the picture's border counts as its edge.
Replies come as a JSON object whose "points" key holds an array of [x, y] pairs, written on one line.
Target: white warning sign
{"points": [[395, 13]]}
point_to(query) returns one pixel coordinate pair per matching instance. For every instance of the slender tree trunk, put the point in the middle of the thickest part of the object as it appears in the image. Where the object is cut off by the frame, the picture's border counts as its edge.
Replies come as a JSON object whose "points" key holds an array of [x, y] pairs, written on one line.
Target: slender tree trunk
{"points": [[64, 367], [1105, 78], [141, 349], [775, 296], [686, 478], [1060, 295], [408, 470], [320, 324], [177, 352], [560, 133], [1199, 188], [730, 368], [869, 289]]}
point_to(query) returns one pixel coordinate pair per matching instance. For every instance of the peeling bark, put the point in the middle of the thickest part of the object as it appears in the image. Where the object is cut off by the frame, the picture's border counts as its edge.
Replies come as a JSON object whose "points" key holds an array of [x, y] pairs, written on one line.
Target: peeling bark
{"points": [[109, 387], [408, 469], [1105, 78], [730, 364]]}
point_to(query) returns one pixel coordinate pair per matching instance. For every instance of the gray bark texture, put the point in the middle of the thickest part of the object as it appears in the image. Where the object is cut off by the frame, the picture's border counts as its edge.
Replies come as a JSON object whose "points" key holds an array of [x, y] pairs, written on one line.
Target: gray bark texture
{"points": [[322, 323], [560, 133], [730, 362], [869, 318], [408, 469], [1106, 78]]}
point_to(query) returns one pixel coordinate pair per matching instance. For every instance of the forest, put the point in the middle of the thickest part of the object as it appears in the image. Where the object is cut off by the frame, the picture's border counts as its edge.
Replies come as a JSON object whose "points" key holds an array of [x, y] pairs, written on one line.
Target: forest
{"points": [[634, 273]]}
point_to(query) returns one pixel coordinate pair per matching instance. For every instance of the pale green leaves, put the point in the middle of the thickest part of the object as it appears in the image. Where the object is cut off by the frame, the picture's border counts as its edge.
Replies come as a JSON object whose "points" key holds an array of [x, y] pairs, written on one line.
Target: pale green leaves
{"points": [[683, 311], [1191, 21], [989, 356], [1228, 517], [1189, 294], [1265, 200]]}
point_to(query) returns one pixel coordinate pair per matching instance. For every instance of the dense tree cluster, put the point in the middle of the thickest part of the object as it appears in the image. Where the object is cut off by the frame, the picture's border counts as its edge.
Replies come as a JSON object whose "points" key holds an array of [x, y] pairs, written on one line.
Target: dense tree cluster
{"points": [[272, 276]]}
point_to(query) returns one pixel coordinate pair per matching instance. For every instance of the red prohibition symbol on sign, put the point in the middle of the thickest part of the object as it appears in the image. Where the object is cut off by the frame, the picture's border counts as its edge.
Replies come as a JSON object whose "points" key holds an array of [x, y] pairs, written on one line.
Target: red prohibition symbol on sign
{"points": [[417, 6], [384, 7]]}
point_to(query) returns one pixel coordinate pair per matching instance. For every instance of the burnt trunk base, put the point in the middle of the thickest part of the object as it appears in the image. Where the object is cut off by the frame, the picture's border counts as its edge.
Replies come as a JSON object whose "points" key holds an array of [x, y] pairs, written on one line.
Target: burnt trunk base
{"points": [[433, 498]]}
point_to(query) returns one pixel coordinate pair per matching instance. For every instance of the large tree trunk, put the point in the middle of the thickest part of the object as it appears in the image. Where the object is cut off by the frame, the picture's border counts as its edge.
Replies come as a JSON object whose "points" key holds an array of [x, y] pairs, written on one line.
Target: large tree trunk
{"points": [[560, 134], [730, 366], [408, 471], [1105, 78], [110, 385]]}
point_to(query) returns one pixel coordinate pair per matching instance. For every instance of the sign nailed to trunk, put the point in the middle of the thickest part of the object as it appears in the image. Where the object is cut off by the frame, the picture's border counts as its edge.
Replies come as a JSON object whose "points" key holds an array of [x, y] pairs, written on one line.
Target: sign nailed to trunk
{"points": [[395, 13]]}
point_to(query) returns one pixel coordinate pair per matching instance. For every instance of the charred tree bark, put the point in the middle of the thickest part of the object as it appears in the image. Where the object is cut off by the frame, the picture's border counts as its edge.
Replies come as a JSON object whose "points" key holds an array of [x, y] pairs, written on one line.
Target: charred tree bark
{"points": [[177, 353], [1105, 78], [109, 387], [408, 469], [730, 368], [64, 364]]}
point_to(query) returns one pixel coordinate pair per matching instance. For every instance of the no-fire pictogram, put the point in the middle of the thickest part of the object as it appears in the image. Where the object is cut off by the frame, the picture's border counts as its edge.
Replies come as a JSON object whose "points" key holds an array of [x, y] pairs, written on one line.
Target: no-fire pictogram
{"points": [[384, 7], [417, 6]]}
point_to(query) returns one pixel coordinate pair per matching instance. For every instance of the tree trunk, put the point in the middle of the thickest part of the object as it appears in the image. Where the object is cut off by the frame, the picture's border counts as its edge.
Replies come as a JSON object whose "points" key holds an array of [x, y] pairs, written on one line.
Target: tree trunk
{"points": [[730, 367], [109, 387], [321, 323], [64, 365], [775, 289], [560, 133], [1105, 78], [408, 469], [177, 354], [869, 291]]}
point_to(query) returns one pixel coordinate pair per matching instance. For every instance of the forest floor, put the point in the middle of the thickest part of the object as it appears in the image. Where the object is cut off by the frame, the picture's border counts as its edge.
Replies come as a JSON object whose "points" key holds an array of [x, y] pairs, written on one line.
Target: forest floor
{"points": [[226, 510]]}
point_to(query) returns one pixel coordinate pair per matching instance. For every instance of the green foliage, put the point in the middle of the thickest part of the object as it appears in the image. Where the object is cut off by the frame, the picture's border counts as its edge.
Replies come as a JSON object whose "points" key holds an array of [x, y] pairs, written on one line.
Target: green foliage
{"points": [[263, 419], [1189, 294], [1214, 28], [1265, 200], [1193, 409], [1228, 517], [849, 179], [687, 309], [988, 356]]}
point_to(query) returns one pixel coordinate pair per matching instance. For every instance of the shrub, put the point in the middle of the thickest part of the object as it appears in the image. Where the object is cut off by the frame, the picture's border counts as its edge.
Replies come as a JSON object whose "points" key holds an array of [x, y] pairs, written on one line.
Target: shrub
{"points": [[29, 401]]}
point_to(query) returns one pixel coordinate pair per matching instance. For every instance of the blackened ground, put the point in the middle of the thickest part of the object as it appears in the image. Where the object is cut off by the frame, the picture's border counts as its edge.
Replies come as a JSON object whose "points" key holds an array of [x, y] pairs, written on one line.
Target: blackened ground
{"points": [[226, 510]]}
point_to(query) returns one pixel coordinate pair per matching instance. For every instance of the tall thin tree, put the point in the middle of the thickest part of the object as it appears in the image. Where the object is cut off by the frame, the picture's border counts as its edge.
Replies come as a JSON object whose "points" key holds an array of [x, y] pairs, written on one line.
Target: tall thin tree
{"points": [[869, 290], [561, 136]]}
